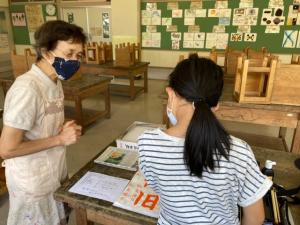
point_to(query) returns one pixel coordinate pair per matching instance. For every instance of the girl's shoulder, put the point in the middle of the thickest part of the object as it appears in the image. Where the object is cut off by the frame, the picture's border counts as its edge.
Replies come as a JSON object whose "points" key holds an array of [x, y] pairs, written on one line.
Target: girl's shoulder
{"points": [[240, 150]]}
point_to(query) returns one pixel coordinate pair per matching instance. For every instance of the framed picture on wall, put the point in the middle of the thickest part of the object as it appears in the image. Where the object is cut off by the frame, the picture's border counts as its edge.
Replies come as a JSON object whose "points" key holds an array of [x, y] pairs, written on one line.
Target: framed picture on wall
{"points": [[105, 25]]}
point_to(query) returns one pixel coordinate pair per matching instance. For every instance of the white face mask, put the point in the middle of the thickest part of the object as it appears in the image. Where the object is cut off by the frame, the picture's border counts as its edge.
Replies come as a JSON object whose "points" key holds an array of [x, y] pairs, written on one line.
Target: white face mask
{"points": [[171, 116]]}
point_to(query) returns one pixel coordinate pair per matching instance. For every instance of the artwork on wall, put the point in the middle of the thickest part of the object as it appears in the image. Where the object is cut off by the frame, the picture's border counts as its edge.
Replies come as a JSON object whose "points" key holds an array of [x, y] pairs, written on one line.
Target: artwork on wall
{"points": [[105, 25], [18, 19], [222, 22], [34, 16]]}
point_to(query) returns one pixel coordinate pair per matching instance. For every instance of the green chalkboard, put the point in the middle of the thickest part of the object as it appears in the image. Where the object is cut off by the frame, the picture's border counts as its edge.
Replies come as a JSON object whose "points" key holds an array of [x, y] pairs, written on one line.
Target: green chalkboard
{"points": [[20, 28], [272, 41]]}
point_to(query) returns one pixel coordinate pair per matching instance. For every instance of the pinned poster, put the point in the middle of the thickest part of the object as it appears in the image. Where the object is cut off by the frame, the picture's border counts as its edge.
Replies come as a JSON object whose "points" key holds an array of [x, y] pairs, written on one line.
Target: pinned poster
{"points": [[175, 44], [166, 21], [272, 29], [189, 21], [34, 16], [151, 6], [18, 19], [221, 4], [177, 13], [189, 13], [289, 39], [236, 36], [250, 37], [200, 12], [172, 5], [244, 29], [194, 28], [176, 36], [196, 5], [171, 28]]}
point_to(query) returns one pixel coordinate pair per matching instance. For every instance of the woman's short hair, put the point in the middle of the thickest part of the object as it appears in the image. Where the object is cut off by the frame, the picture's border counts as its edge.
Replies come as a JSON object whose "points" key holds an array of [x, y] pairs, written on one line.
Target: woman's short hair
{"points": [[47, 36]]}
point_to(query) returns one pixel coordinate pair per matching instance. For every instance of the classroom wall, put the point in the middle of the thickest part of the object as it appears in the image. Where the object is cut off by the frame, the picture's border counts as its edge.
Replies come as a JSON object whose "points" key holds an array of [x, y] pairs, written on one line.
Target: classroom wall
{"points": [[3, 3], [125, 19]]}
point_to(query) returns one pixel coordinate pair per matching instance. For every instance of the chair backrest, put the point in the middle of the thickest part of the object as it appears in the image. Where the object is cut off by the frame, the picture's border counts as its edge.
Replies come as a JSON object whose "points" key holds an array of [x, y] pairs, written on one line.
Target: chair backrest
{"points": [[253, 54], [231, 59], [30, 57], [295, 59]]}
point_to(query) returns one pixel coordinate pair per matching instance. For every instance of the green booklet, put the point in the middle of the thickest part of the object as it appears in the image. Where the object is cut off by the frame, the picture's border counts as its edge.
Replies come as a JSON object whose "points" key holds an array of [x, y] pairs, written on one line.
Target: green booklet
{"points": [[119, 157]]}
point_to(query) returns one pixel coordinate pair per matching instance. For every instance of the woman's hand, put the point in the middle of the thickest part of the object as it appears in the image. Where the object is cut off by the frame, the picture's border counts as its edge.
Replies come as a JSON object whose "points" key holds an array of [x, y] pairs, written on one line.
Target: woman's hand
{"points": [[69, 133]]}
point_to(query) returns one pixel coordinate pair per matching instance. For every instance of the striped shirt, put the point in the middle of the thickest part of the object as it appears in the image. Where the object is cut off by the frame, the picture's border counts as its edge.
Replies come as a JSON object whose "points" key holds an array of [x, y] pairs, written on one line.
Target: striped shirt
{"points": [[212, 199]]}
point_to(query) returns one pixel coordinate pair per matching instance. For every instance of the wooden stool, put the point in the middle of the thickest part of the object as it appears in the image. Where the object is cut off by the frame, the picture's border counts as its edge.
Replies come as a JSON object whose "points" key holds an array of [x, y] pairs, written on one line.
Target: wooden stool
{"points": [[254, 80]]}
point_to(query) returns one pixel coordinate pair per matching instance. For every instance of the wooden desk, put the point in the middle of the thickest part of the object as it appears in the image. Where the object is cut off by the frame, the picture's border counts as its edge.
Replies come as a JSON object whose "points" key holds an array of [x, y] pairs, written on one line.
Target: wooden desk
{"points": [[282, 116], [103, 212], [96, 210], [86, 86], [77, 90], [130, 73]]}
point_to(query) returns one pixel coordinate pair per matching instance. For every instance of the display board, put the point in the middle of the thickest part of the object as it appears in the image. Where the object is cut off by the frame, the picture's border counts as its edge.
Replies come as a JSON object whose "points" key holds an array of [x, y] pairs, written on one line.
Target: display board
{"points": [[26, 18], [204, 24]]}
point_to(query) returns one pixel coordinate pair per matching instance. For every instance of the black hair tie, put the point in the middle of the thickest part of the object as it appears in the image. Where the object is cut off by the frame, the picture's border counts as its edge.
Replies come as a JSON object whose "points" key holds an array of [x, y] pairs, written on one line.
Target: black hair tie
{"points": [[198, 101]]}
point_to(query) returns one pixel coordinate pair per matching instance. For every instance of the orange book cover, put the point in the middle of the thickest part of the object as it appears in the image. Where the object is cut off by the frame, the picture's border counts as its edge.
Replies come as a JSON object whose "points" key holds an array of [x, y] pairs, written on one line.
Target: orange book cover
{"points": [[139, 197]]}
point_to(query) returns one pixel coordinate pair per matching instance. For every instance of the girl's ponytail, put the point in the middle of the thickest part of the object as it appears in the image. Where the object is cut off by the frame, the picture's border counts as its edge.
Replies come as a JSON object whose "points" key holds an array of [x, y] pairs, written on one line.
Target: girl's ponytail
{"points": [[200, 81], [205, 139]]}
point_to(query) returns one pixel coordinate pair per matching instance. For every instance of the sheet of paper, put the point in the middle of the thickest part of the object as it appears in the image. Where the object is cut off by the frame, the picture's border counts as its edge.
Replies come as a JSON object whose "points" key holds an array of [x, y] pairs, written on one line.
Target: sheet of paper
{"points": [[100, 186]]}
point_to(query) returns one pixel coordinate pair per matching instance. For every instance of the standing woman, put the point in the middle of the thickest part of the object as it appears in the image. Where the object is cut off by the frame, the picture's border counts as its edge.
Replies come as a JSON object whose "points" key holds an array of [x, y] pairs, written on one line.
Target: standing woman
{"points": [[33, 138], [200, 172]]}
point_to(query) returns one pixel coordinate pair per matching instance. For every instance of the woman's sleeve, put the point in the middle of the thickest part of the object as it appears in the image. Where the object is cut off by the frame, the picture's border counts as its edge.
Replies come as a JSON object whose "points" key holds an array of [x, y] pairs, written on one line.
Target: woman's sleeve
{"points": [[20, 108]]}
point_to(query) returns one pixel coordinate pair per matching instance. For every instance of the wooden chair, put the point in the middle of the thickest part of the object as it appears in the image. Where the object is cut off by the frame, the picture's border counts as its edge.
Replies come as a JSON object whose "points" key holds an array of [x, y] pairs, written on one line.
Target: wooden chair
{"points": [[254, 80], [230, 63], [253, 54], [212, 57], [30, 57], [91, 53], [215, 55], [127, 55]]}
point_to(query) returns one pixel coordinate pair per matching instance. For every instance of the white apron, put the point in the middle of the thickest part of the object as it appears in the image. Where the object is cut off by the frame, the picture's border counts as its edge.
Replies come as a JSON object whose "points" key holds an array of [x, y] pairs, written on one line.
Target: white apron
{"points": [[32, 179]]}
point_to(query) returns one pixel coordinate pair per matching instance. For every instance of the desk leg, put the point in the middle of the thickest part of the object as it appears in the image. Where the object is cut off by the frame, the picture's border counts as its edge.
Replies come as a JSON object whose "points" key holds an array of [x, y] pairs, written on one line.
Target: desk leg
{"points": [[296, 140], [107, 101], [131, 87], [282, 136], [146, 80], [78, 111], [81, 217]]}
